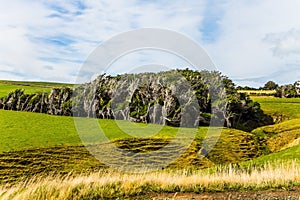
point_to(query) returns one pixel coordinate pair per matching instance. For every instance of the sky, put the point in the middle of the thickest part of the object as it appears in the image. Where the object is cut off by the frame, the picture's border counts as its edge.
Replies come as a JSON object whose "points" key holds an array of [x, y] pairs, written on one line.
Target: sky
{"points": [[250, 41]]}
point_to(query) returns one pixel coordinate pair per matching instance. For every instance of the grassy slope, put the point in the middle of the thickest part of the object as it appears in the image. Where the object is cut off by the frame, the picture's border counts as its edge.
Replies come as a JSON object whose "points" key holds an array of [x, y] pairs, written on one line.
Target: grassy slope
{"points": [[18, 132], [282, 139], [51, 143], [288, 107], [287, 132], [21, 130], [284, 156], [29, 87], [280, 136]]}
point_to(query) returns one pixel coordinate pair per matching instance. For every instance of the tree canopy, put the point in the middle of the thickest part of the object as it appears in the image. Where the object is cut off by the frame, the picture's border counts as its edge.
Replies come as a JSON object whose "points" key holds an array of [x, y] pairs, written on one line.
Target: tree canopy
{"points": [[270, 85]]}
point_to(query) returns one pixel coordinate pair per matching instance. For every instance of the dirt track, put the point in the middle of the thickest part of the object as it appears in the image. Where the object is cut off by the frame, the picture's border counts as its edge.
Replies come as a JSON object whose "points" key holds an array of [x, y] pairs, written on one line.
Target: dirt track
{"points": [[266, 195]]}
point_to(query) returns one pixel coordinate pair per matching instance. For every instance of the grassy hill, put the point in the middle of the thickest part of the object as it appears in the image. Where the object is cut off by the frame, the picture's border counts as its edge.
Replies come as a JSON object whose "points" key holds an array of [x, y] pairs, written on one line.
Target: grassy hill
{"points": [[24, 130], [281, 140], [51, 143], [29, 87], [288, 155], [280, 136], [286, 108], [33, 143]]}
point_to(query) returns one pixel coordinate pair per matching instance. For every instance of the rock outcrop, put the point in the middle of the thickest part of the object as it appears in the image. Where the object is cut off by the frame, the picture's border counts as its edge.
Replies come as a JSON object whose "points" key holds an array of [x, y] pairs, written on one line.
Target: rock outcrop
{"points": [[177, 98], [147, 97], [58, 102]]}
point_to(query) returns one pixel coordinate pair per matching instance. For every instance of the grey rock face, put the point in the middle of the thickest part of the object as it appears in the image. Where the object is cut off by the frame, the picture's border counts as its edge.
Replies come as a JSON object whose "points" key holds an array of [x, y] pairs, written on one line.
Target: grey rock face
{"points": [[58, 102], [178, 98], [148, 98]]}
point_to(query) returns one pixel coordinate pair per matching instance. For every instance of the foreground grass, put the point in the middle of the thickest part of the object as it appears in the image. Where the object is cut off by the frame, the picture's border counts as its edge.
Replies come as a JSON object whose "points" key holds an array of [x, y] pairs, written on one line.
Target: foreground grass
{"points": [[112, 184]]}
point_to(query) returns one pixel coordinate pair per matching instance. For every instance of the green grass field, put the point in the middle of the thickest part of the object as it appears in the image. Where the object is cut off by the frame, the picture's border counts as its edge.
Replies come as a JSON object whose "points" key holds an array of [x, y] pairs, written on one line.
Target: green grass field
{"points": [[29, 87], [23, 130], [41, 140], [289, 108]]}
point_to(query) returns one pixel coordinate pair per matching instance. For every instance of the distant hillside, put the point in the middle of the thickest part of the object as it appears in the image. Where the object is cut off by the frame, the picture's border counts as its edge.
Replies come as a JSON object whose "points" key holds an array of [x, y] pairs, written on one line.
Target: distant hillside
{"points": [[30, 87]]}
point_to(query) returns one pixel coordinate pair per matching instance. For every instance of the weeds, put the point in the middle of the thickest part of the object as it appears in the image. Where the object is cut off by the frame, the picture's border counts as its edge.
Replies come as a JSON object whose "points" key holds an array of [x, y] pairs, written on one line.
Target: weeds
{"points": [[113, 184]]}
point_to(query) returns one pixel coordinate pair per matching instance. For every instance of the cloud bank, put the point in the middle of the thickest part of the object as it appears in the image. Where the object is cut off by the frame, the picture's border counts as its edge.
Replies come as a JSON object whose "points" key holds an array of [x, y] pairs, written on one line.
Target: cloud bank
{"points": [[249, 41]]}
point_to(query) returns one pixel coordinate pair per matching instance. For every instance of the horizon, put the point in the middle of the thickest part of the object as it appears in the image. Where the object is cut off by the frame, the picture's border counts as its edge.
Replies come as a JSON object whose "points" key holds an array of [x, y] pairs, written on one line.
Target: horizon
{"points": [[114, 75], [249, 42]]}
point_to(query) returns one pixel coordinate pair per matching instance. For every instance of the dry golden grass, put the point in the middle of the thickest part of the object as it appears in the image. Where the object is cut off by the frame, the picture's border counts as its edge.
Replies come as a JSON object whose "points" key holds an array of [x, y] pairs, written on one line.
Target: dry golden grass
{"points": [[258, 92], [112, 184]]}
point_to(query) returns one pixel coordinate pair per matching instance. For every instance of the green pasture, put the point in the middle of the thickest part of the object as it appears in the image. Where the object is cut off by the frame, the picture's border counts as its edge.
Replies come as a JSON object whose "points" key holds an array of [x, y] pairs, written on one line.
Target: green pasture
{"points": [[24, 130], [29, 87], [32, 143], [289, 108]]}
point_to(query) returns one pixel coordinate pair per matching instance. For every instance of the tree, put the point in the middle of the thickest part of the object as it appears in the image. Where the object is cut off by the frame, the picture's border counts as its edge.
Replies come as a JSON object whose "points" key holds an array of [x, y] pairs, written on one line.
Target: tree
{"points": [[270, 85], [289, 90]]}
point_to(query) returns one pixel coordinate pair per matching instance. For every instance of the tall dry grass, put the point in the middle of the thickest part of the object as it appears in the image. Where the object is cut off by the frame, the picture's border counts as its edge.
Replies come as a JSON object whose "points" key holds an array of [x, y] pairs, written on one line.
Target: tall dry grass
{"points": [[114, 184]]}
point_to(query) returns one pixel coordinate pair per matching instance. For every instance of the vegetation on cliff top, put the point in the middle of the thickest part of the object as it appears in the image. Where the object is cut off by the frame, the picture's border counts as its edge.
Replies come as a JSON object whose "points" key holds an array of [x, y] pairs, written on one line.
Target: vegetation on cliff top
{"points": [[177, 98]]}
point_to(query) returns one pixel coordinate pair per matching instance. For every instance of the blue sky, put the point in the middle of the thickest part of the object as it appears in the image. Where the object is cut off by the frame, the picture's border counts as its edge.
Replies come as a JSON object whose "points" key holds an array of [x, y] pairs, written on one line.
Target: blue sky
{"points": [[249, 41]]}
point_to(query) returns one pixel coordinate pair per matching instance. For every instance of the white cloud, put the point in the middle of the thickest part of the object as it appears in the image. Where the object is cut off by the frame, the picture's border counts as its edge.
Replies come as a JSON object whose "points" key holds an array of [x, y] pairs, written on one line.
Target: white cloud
{"points": [[61, 34], [241, 50], [285, 44], [245, 39]]}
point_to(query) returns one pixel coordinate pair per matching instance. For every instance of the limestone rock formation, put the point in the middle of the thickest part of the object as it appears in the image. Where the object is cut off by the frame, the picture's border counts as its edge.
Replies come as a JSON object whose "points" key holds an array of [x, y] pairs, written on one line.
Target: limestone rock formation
{"points": [[178, 98]]}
